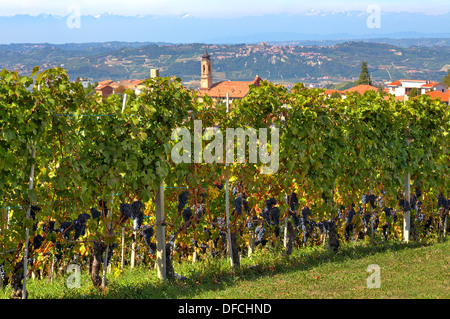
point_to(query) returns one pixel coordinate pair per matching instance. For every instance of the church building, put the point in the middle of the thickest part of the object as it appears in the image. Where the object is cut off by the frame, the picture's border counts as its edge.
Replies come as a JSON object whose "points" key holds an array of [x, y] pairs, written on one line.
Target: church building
{"points": [[219, 90]]}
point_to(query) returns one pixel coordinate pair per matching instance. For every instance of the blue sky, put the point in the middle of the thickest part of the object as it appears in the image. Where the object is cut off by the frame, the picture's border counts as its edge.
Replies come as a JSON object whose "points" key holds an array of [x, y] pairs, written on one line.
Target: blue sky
{"points": [[214, 8]]}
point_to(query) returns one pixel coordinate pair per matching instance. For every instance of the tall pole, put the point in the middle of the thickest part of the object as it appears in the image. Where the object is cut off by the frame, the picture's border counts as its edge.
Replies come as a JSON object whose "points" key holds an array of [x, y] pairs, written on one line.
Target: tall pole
{"points": [[27, 230], [122, 261], [160, 234], [407, 190], [108, 231], [227, 203]]}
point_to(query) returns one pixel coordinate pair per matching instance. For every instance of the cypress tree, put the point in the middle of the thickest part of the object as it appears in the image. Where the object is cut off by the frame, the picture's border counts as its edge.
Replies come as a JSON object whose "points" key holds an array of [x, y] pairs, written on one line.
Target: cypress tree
{"points": [[364, 76]]}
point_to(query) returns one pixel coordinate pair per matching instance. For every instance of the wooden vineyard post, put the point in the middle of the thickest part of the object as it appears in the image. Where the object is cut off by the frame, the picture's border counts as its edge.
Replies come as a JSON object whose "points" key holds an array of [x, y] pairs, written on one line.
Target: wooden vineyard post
{"points": [[108, 230], [122, 260], [285, 233], [371, 219], [27, 230], [160, 234], [227, 205], [445, 226], [3, 221], [407, 191], [133, 249], [251, 242], [371, 222]]}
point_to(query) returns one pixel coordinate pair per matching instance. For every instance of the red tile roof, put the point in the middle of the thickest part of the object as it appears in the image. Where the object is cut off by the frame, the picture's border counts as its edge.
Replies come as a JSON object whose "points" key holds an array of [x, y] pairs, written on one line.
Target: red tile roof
{"points": [[105, 82], [445, 97], [430, 85], [329, 92], [101, 87], [235, 89], [361, 89], [395, 83]]}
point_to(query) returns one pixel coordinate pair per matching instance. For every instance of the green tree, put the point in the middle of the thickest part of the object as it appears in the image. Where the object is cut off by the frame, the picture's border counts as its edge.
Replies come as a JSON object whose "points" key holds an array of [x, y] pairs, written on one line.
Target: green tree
{"points": [[414, 92], [380, 88], [335, 95], [364, 76], [446, 79], [90, 89]]}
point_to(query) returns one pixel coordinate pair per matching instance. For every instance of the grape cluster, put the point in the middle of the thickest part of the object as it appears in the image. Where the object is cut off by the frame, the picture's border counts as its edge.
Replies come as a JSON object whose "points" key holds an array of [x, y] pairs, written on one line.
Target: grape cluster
{"points": [[147, 234], [199, 210], [348, 222], [271, 213], [222, 234], [132, 211], [111, 248], [3, 276], [390, 212], [187, 214], [95, 213], [341, 212], [351, 212], [322, 226], [58, 254], [366, 220], [241, 199], [369, 199], [103, 210], [292, 201], [251, 222], [34, 209], [238, 205], [138, 215], [79, 225], [126, 212], [152, 248], [182, 200], [37, 241], [49, 227], [304, 213], [385, 231], [260, 231], [419, 217], [405, 204], [65, 228], [443, 202]]}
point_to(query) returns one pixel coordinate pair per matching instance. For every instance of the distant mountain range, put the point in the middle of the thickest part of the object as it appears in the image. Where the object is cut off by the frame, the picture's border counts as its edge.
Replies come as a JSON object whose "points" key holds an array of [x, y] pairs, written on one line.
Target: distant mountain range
{"points": [[251, 29]]}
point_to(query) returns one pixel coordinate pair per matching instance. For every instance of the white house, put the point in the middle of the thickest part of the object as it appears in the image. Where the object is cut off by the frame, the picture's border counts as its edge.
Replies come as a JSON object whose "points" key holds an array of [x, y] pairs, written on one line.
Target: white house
{"points": [[433, 86], [85, 82], [403, 87]]}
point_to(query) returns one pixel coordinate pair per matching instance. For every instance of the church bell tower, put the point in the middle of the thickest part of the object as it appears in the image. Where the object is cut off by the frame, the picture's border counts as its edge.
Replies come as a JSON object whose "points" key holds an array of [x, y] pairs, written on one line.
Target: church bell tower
{"points": [[206, 78]]}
